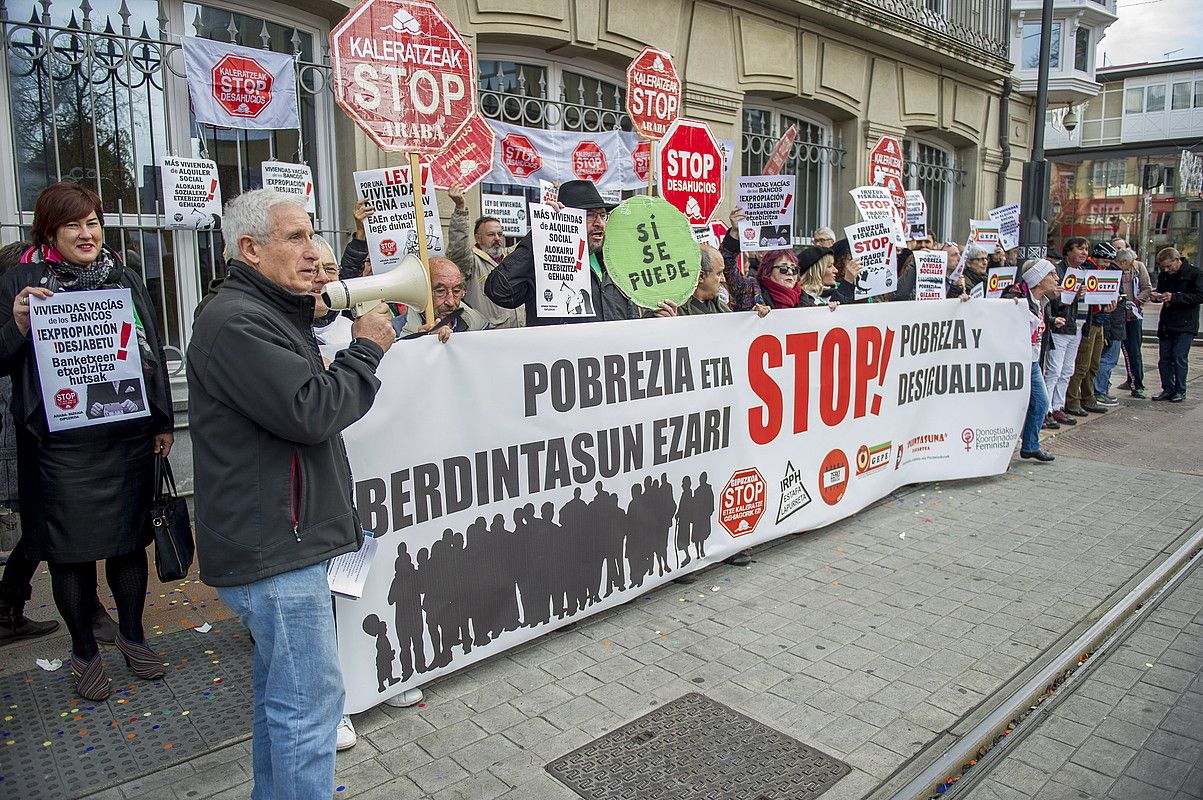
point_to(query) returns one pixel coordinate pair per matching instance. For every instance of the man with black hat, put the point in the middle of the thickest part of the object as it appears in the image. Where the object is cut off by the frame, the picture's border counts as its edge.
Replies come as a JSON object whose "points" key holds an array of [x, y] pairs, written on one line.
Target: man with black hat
{"points": [[513, 283], [1079, 395]]}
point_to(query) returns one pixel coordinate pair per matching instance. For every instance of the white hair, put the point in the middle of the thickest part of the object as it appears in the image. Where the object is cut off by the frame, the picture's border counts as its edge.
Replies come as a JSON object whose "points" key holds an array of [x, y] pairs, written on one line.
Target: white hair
{"points": [[246, 215], [1125, 254], [320, 242], [819, 233], [976, 251]]}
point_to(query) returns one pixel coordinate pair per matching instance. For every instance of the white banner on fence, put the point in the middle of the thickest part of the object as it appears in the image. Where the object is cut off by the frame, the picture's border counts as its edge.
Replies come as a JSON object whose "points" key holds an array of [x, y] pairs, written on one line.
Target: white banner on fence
{"points": [[509, 210], [240, 87], [604, 469], [768, 203], [294, 179], [526, 156], [931, 267], [89, 365], [561, 252], [390, 229], [191, 192]]}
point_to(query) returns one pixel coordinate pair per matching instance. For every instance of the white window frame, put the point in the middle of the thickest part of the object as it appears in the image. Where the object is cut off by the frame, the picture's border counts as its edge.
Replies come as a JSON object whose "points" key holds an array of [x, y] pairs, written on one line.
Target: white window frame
{"points": [[825, 177], [555, 69]]}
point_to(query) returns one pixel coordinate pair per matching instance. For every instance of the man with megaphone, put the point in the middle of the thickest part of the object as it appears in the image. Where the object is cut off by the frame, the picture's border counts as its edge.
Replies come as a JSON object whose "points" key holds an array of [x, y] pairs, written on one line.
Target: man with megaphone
{"points": [[273, 493]]}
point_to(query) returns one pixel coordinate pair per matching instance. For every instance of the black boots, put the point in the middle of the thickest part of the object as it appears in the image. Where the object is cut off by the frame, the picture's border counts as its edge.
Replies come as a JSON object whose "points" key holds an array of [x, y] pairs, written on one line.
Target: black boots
{"points": [[14, 625]]}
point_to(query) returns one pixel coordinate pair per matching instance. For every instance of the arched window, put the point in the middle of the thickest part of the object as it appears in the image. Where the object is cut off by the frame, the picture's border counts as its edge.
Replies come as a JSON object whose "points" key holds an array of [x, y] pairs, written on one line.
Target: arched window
{"points": [[96, 93], [815, 155], [524, 87], [933, 168]]}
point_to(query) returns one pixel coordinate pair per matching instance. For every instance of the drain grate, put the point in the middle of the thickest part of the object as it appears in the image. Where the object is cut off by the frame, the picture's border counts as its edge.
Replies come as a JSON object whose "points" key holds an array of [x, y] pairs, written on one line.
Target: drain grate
{"points": [[696, 749], [54, 744]]}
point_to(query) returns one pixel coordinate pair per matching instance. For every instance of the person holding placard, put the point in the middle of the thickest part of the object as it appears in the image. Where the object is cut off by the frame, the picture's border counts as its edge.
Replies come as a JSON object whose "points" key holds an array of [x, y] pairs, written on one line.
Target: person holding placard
{"points": [[512, 285], [477, 256], [817, 280], [977, 261], [1080, 396], [85, 491], [1038, 283], [847, 270]]}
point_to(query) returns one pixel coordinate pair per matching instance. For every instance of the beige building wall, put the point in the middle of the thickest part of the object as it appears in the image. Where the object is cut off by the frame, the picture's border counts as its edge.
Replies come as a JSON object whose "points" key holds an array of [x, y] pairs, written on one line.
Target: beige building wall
{"points": [[868, 71]]}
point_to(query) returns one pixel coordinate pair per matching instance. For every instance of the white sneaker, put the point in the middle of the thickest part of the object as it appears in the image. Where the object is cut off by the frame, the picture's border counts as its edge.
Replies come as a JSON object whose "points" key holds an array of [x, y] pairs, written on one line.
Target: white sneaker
{"points": [[346, 734], [410, 697]]}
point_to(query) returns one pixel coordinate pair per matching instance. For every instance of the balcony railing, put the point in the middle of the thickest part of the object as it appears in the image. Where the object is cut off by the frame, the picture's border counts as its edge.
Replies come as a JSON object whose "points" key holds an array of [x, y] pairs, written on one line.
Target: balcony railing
{"points": [[978, 23]]}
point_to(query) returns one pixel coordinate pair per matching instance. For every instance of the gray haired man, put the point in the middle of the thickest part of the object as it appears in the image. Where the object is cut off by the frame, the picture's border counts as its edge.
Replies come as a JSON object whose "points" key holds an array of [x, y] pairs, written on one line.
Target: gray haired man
{"points": [[273, 494]]}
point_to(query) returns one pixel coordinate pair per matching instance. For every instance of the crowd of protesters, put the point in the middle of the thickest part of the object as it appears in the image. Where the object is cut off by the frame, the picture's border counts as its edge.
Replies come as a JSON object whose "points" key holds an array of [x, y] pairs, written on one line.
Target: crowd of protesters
{"points": [[274, 377]]}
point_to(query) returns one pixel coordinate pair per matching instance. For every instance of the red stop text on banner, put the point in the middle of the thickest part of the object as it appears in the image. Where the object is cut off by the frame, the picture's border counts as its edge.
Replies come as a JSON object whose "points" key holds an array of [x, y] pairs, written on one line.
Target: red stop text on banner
{"points": [[849, 366]]}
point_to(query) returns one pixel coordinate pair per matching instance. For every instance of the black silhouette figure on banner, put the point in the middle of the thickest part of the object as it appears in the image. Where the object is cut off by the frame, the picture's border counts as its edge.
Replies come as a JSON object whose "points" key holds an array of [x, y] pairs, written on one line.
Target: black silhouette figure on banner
{"points": [[385, 654], [684, 522], [467, 589], [407, 614], [703, 510]]}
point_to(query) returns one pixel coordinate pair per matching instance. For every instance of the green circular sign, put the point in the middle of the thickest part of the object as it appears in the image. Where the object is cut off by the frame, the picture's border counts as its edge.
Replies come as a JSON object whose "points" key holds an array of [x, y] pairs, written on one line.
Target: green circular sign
{"points": [[650, 252]]}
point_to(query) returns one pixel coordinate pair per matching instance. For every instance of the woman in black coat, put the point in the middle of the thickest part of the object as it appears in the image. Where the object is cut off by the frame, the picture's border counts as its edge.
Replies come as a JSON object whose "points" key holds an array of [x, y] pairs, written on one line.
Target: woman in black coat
{"points": [[85, 493]]}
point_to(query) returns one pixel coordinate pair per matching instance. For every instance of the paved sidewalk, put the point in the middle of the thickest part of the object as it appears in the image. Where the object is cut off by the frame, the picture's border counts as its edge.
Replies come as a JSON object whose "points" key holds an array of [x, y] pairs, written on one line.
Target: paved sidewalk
{"points": [[864, 640], [1133, 730]]}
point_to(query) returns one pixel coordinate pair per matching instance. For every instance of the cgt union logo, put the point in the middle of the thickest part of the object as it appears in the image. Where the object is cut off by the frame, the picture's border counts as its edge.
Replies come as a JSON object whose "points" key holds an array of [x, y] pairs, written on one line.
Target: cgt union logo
{"points": [[870, 459], [1000, 438]]}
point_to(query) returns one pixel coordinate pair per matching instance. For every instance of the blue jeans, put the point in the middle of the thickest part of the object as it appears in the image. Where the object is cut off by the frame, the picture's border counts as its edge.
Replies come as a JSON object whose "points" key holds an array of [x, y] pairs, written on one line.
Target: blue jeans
{"points": [[297, 682], [1110, 357], [1174, 349], [1037, 409]]}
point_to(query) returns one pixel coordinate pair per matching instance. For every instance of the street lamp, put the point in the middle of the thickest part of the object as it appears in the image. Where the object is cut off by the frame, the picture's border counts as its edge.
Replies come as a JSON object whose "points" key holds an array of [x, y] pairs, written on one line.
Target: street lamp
{"points": [[1033, 226]]}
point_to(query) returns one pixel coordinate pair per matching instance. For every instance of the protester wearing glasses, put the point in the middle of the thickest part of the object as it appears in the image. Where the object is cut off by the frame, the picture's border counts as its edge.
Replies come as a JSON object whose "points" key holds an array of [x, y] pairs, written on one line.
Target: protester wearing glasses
{"points": [[977, 259], [447, 286]]}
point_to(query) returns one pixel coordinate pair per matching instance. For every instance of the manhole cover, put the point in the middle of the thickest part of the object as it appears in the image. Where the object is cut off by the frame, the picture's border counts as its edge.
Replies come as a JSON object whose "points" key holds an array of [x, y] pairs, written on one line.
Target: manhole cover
{"points": [[696, 749]]}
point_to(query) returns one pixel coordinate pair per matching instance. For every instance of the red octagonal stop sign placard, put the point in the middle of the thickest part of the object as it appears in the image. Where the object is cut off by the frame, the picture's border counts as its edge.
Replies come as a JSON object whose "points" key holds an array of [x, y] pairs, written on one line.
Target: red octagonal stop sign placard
{"points": [[741, 505], [689, 169], [520, 156], [467, 159], [589, 162], [241, 86], [653, 92], [404, 74]]}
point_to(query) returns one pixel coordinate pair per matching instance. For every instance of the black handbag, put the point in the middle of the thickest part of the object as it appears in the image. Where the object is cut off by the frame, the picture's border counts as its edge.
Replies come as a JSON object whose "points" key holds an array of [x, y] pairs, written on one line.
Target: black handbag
{"points": [[174, 547]]}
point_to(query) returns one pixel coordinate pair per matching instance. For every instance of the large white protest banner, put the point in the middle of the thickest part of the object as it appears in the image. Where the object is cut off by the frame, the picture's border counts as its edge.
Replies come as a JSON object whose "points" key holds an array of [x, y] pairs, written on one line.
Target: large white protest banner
{"points": [[875, 203], [89, 365], [768, 205], [561, 253], [606, 467], [1102, 286], [390, 229], [931, 267], [509, 210], [294, 179], [232, 86], [1007, 219], [191, 192], [872, 242]]}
